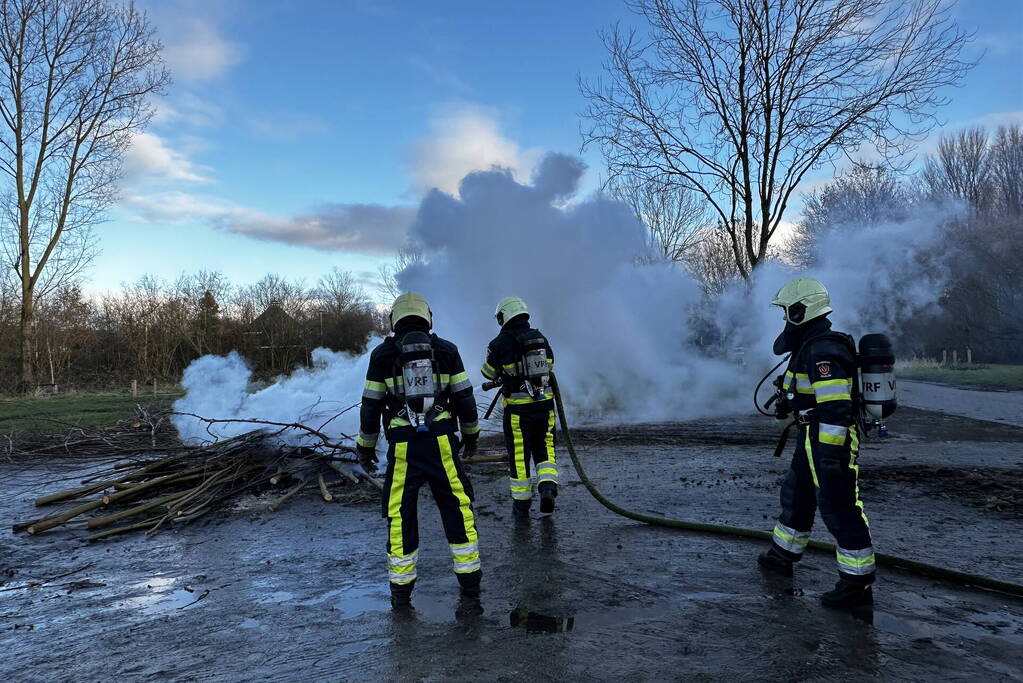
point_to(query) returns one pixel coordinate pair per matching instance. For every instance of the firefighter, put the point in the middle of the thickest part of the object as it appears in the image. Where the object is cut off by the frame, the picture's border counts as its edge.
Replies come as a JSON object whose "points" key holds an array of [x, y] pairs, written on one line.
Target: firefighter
{"points": [[417, 384], [818, 389], [521, 359]]}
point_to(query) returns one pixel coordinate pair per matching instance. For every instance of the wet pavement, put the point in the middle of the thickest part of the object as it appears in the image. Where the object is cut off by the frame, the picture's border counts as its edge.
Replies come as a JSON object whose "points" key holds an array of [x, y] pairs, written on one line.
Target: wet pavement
{"points": [[992, 405], [301, 594]]}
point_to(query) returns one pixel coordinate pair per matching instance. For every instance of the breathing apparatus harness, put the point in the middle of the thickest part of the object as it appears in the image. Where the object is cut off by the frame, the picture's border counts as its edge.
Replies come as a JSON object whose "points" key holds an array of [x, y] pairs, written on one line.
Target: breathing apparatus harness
{"points": [[535, 376], [418, 395], [873, 386]]}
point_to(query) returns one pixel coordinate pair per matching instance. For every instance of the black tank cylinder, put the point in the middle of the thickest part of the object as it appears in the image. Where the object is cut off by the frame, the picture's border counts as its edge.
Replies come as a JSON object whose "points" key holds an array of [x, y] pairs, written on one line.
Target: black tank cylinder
{"points": [[877, 375]]}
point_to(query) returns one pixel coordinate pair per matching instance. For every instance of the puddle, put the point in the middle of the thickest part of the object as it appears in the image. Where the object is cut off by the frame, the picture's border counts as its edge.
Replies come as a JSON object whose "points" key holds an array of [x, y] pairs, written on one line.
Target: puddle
{"points": [[539, 622], [534, 622], [157, 598], [276, 596]]}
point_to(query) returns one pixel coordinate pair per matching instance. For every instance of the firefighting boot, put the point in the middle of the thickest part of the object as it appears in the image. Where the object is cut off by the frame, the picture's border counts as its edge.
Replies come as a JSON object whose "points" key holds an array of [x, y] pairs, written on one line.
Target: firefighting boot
{"points": [[774, 562], [547, 496], [847, 594], [469, 604], [401, 596], [520, 509]]}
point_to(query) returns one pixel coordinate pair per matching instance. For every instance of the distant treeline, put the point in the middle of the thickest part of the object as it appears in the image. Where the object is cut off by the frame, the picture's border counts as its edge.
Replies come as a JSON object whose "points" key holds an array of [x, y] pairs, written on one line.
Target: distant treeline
{"points": [[972, 186], [152, 330]]}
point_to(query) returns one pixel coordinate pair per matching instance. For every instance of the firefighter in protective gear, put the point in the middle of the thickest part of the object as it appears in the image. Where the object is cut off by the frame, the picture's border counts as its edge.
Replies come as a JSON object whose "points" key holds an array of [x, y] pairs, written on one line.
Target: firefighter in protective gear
{"points": [[820, 383], [422, 445], [528, 404]]}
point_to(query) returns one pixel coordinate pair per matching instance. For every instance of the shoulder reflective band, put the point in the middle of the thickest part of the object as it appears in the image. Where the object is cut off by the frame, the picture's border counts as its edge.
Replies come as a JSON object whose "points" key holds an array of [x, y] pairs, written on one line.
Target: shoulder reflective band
{"points": [[833, 390]]}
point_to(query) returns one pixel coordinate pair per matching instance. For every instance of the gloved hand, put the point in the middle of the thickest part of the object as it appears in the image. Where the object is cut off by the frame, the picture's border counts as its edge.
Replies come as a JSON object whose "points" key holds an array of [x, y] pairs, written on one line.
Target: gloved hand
{"points": [[469, 444], [368, 459], [782, 409]]}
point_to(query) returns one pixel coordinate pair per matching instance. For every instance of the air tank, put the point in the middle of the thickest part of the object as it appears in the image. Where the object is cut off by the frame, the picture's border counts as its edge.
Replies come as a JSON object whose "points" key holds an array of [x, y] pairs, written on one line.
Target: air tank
{"points": [[877, 375]]}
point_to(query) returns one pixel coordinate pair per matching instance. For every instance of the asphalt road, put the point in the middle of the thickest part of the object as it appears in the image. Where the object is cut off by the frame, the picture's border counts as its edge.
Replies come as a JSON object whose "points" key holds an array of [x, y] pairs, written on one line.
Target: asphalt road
{"points": [[994, 406]]}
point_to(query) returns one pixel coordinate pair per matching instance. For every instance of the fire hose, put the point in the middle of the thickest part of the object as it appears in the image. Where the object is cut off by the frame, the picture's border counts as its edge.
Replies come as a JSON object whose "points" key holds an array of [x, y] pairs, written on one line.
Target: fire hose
{"points": [[913, 566]]}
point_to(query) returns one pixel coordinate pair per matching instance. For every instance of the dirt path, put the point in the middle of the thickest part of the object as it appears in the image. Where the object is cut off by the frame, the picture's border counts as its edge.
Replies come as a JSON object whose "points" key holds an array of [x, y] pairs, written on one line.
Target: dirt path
{"points": [[995, 406], [586, 595]]}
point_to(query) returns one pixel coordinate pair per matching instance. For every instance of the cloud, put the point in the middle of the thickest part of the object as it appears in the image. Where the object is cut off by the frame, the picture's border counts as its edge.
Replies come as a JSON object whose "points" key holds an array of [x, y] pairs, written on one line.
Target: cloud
{"points": [[359, 228], [371, 229], [196, 51], [185, 107], [465, 139], [150, 155]]}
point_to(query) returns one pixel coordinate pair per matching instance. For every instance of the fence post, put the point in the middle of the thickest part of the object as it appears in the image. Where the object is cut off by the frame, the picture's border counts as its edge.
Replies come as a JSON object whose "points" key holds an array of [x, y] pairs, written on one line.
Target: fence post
{"points": [[969, 356], [134, 388], [154, 386], [955, 356], [944, 356]]}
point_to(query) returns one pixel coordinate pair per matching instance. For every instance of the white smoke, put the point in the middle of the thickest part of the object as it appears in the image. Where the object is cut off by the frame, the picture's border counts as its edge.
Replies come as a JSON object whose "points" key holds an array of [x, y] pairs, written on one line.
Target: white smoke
{"points": [[620, 330], [218, 387]]}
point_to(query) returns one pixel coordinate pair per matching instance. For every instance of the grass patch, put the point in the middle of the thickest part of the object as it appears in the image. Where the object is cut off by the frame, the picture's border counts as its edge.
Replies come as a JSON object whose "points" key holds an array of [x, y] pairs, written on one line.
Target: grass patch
{"points": [[56, 414], [976, 375]]}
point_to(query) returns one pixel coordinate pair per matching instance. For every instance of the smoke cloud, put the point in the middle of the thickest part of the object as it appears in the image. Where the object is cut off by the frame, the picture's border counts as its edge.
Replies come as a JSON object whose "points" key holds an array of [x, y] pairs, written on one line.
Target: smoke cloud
{"points": [[623, 331]]}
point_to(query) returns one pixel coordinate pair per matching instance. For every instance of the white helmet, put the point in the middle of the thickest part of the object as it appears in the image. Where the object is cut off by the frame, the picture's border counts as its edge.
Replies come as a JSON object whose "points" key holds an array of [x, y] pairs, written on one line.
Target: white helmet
{"points": [[803, 299], [509, 307]]}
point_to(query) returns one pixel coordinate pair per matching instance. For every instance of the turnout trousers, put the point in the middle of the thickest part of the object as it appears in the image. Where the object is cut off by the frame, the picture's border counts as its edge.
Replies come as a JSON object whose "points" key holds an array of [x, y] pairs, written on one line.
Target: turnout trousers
{"points": [[529, 438], [428, 458], [829, 483]]}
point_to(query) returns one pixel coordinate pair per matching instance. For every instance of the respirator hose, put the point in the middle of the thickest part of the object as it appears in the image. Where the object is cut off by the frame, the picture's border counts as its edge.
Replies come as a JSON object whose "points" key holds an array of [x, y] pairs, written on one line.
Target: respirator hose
{"points": [[913, 566], [756, 392]]}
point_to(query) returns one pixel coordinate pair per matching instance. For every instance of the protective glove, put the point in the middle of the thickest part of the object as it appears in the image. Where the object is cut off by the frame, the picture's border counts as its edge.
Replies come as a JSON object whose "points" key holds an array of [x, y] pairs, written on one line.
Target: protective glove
{"points": [[469, 443], [368, 459], [782, 409]]}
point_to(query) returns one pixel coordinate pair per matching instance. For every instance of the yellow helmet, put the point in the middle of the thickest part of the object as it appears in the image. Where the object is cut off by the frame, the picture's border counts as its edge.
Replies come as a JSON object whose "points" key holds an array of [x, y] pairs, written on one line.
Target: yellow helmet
{"points": [[803, 299], [409, 304], [509, 307]]}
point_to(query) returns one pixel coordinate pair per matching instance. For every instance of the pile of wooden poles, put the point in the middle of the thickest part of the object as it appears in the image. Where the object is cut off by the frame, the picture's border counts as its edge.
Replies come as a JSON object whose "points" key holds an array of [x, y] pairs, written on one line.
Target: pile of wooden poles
{"points": [[150, 493]]}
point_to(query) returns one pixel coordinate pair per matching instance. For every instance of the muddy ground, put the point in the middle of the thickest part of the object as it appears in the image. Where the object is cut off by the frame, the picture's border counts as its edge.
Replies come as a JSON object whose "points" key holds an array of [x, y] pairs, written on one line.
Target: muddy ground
{"points": [[301, 594]]}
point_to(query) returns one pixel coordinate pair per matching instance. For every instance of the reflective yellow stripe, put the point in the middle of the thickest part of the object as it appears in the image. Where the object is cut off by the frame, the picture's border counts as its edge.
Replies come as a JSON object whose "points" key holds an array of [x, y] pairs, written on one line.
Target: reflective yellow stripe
{"points": [[824, 437], [519, 456], [523, 401], [549, 440], [459, 377], [464, 504], [375, 386], [832, 390], [365, 441], [402, 422], [397, 546], [809, 458], [854, 453], [489, 371]]}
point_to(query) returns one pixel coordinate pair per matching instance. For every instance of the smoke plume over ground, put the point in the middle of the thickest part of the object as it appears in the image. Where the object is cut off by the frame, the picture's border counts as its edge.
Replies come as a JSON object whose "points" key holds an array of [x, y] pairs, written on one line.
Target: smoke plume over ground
{"points": [[623, 332]]}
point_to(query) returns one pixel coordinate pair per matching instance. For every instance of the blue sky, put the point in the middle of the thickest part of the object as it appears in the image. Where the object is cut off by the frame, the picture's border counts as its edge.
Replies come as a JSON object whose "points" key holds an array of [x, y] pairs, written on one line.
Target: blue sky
{"points": [[289, 121]]}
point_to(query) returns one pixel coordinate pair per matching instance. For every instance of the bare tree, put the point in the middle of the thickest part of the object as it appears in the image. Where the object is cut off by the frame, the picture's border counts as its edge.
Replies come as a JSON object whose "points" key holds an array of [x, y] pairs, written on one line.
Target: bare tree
{"points": [[1006, 160], [674, 216], [409, 255], [866, 195], [739, 99], [76, 77], [961, 167], [337, 292]]}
